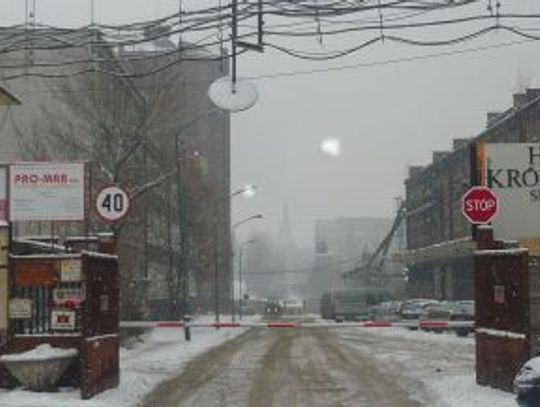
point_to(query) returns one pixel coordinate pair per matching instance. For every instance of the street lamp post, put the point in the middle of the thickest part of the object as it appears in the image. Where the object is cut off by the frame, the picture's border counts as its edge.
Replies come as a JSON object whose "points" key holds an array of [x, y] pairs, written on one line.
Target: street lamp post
{"points": [[248, 191], [183, 262], [240, 255], [234, 227]]}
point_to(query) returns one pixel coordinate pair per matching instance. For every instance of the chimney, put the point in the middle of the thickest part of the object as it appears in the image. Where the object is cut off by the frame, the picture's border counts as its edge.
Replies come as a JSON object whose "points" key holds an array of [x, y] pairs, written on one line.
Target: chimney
{"points": [[415, 170], [520, 100], [458, 143], [439, 155], [532, 93]]}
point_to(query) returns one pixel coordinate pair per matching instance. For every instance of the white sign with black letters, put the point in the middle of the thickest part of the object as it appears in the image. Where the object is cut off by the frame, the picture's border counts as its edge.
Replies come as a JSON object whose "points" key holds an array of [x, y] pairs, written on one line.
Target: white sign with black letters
{"points": [[512, 172]]}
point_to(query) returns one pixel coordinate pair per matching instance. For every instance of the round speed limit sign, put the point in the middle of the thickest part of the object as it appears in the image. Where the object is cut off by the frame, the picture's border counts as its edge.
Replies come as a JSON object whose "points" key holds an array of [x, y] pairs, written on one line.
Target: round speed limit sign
{"points": [[112, 203]]}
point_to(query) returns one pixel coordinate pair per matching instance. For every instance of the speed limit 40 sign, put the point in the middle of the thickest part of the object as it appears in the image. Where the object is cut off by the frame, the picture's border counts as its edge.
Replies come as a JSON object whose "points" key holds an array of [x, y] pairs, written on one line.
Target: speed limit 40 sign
{"points": [[112, 203]]}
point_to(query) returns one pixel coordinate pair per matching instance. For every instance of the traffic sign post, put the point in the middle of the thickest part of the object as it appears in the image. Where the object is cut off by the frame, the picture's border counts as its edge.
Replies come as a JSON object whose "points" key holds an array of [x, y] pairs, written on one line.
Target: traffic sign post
{"points": [[479, 205], [112, 203]]}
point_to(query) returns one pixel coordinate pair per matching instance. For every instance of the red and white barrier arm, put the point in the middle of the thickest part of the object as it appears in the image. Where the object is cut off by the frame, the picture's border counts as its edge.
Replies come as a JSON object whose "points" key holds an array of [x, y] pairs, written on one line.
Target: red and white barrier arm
{"points": [[151, 324], [278, 324]]}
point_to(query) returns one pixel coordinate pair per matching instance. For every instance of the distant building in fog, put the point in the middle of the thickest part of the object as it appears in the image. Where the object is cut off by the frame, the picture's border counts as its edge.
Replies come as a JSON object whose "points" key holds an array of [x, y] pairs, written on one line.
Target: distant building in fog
{"points": [[340, 245]]}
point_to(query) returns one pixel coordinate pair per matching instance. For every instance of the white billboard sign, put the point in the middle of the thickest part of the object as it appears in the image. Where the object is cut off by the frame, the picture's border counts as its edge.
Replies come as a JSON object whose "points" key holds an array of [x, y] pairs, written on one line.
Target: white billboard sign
{"points": [[512, 172], [46, 192]]}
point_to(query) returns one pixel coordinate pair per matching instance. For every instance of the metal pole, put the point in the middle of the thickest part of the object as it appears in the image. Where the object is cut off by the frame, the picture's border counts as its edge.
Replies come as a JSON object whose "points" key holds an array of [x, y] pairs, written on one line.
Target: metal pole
{"points": [[182, 233], [241, 300], [216, 267], [233, 40], [234, 307]]}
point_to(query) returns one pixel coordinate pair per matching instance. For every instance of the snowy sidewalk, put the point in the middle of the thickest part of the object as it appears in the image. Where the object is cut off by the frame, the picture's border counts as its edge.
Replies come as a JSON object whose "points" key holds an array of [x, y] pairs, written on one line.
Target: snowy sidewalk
{"points": [[163, 354], [442, 363]]}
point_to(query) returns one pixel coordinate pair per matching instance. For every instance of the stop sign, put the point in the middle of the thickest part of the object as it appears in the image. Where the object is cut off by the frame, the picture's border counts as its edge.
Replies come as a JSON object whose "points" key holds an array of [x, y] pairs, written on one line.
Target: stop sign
{"points": [[479, 205]]}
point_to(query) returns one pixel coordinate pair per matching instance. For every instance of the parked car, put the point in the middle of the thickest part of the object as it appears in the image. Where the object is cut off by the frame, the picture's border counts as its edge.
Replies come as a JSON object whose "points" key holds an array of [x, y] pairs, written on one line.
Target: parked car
{"points": [[438, 311], [386, 311], [414, 308], [527, 381], [464, 311], [351, 304], [450, 311]]}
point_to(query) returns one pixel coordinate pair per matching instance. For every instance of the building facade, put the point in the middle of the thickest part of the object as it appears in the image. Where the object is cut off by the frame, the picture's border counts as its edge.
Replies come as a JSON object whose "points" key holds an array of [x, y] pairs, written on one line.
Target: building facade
{"points": [[440, 244]]}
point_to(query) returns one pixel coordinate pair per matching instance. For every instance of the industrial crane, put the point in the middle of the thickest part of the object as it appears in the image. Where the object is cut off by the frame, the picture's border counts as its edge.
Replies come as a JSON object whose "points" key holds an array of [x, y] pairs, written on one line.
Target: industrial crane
{"points": [[373, 268]]}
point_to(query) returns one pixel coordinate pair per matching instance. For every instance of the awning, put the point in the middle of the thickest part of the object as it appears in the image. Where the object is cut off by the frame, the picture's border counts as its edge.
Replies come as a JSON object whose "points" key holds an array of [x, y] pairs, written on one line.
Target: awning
{"points": [[451, 249]]}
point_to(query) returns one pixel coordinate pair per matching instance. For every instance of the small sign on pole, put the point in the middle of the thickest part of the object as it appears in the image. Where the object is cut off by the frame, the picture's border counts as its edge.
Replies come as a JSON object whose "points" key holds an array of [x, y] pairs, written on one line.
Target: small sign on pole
{"points": [[112, 203]]}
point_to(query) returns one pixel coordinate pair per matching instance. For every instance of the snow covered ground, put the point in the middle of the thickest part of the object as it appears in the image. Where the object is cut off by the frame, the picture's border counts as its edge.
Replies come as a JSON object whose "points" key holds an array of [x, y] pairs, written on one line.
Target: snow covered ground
{"points": [[437, 368], [443, 363], [161, 355]]}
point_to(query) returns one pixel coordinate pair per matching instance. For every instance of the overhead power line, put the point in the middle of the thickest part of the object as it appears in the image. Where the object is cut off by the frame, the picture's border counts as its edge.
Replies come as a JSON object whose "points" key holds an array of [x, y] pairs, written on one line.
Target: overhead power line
{"points": [[326, 15], [285, 74]]}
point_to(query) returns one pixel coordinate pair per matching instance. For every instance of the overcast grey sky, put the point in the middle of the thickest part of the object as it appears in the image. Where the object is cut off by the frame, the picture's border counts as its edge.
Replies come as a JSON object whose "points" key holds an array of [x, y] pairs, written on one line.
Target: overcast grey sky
{"points": [[387, 116]]}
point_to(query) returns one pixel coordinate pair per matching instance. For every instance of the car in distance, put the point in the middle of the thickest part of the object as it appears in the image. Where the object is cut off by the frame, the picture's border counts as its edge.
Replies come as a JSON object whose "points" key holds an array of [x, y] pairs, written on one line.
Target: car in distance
{"points": [[273, 308]]}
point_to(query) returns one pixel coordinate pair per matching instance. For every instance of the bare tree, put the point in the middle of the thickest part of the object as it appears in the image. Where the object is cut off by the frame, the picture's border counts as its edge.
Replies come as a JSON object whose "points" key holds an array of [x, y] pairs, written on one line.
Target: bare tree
{"points": [[125, 130]]}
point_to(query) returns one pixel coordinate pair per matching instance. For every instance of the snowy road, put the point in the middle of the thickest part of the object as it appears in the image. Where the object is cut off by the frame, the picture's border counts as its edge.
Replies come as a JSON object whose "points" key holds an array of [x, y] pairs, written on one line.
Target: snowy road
{"points": [[382, 367], [286, 367], [290, 367]]}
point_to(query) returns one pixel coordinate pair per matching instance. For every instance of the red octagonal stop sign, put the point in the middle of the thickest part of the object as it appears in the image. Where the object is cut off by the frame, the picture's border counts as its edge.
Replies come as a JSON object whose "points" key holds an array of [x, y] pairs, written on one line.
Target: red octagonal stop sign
{"points": [[479, 205]]}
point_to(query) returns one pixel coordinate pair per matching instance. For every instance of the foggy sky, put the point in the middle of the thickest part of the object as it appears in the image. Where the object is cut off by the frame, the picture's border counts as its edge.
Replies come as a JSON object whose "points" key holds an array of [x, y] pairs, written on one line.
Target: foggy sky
{"points": [[387, 116]]}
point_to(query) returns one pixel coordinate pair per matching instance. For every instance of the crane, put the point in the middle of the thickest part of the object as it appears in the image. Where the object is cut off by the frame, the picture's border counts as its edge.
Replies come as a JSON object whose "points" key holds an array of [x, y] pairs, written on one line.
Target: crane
{"points": [[374, 265]]}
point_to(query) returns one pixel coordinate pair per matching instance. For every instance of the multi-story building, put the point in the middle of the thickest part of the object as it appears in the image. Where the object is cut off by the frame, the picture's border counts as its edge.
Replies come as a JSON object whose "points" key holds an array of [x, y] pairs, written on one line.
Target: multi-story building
{"points": [[440, 247], [87, 116]]}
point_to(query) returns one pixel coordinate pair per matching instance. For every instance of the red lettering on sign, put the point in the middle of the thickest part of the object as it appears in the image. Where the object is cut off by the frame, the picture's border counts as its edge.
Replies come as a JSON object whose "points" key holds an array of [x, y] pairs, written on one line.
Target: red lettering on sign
{"points": [[51, 178]]}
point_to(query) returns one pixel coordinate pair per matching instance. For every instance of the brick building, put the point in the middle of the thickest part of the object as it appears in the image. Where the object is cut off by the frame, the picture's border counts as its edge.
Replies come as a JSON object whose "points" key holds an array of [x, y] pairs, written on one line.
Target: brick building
{"points": [[145, 114], [439, 239]]}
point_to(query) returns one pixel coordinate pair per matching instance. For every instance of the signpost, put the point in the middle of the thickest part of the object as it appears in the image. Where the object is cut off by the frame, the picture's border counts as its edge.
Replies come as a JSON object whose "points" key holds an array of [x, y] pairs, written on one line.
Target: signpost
{"points": [[479, 205], [112, 203]]}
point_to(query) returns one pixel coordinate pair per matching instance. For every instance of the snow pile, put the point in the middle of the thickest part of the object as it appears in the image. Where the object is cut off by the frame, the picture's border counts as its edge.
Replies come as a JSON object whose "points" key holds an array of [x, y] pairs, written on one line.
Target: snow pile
{"points": [[163, 354], [440, 367], [462, 391], [41, 353]]}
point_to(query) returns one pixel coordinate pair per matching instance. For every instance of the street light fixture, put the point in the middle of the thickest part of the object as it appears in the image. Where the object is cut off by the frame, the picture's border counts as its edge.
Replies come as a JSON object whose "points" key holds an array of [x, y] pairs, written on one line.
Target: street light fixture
{"points": [[241, 222], [248, 191]]}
